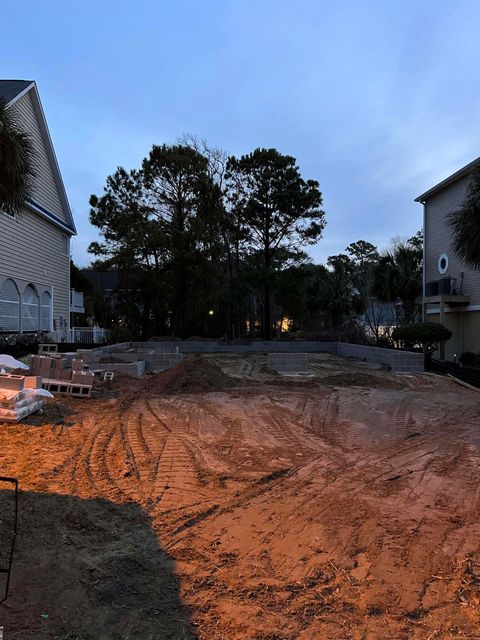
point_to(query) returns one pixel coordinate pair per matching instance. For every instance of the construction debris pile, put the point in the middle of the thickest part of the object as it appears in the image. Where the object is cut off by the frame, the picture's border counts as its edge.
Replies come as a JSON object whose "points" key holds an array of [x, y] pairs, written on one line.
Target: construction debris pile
{"points": [[51, 372], [63, 373], [19, 396]]}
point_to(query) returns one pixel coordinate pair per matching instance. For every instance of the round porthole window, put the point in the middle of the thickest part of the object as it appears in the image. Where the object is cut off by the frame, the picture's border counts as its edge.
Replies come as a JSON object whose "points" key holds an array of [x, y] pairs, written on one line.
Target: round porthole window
{"points": [[443, 263]]}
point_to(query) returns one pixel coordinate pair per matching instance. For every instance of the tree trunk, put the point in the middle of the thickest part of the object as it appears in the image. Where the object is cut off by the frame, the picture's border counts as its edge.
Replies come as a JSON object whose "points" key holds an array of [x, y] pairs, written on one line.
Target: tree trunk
{"points": [[146, 316]]}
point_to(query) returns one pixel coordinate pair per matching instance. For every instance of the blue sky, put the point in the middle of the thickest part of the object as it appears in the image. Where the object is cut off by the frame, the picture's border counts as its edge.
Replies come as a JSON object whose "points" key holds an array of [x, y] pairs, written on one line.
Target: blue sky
{"points": [[377, 100]]}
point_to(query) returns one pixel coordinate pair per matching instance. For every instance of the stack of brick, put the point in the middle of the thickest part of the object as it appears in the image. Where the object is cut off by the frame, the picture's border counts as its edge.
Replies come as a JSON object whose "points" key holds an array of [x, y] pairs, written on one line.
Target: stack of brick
{"points": [[57, 378], [16, 401]]}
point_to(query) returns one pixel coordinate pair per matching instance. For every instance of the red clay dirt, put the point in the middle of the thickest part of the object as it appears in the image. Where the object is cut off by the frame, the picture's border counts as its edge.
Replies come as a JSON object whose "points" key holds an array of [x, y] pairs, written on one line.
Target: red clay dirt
{"points": [[346, 507]]}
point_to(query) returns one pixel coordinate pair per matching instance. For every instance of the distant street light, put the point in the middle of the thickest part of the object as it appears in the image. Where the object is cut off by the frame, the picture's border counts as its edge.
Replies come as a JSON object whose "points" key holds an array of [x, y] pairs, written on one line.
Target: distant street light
{"points": [[210, 313]]}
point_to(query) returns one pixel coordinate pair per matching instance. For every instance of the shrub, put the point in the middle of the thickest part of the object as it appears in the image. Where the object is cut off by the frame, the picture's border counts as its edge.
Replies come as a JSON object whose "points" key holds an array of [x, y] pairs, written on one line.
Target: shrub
{"points": [[426, 334], [470, 359], [21, 344]]}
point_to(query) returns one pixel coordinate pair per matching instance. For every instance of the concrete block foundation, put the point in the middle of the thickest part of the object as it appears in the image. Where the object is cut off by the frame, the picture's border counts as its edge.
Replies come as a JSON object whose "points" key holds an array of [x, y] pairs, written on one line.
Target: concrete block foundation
{"points": [[134, 369], [159, 356]]}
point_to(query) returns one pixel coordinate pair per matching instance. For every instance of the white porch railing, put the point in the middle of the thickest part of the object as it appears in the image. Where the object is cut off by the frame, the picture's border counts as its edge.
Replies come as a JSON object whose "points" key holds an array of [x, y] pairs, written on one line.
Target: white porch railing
{"points": [[81, 335]]}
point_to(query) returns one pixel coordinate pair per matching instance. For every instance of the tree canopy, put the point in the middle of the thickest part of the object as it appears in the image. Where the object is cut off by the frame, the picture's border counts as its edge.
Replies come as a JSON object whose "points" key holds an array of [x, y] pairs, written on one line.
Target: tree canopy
{"points": [[275, 207], [161, 223], [207, 244]]}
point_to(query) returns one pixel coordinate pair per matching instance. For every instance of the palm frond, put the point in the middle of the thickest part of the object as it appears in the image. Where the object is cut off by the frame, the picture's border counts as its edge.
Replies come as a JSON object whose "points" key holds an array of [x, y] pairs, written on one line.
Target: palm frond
{"points": [[465, 225], [17, 159]]}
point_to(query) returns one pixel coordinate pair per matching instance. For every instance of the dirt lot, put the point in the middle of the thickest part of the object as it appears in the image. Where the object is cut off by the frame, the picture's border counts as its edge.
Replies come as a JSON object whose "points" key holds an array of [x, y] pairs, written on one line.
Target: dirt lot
{"points": [[345, 505]]}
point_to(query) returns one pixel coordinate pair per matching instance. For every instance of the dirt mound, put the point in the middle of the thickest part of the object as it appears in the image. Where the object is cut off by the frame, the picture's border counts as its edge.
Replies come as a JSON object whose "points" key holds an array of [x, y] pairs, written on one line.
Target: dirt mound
{"points": [[111, 360], [194, 375], [371, 381]]}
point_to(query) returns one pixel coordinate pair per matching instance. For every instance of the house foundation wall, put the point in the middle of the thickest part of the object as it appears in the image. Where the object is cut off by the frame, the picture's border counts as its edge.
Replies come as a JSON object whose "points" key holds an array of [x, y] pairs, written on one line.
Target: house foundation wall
{"points": [[159, 356]]}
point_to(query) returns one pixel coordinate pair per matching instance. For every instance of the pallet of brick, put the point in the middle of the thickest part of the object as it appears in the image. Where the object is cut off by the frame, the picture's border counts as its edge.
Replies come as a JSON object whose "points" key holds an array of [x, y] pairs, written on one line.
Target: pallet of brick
{"points": [[78, 364], [47, 366], [58, 364], [34, 364], [41, 366], [82, 377]]}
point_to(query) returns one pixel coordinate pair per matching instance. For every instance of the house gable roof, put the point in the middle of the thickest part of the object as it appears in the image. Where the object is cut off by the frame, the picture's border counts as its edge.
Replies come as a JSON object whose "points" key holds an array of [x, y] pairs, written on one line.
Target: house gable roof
{"points": [[12, 91], [461, 173]]}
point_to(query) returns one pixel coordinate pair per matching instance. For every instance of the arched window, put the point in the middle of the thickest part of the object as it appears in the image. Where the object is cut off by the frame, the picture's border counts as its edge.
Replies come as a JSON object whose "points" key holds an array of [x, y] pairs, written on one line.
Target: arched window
{"points": [[46, 312], [9, 307], [30, 309]]}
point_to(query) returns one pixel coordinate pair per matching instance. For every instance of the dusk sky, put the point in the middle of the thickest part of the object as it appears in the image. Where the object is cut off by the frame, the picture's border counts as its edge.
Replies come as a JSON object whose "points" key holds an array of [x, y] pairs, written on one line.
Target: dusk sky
{"points": [[377, 100]]}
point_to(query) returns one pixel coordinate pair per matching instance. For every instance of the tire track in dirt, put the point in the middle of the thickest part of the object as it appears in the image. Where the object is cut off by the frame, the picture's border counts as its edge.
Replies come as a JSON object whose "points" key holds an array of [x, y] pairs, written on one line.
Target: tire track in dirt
{"points": [[176, 482], [398, 419], [275, 426], [177, 475], [352, 475], [92, 468]]}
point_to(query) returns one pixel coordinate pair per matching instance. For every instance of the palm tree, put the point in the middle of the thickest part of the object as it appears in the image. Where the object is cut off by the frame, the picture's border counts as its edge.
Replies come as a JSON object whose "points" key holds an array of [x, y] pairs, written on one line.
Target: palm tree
{"points": [[465, 225], [16, 163], [398, 276]]}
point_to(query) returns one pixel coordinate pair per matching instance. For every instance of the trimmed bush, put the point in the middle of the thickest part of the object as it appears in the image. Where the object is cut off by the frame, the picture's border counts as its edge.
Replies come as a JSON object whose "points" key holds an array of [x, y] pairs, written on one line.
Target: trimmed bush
{"points": [[427, 335], [21, 344]]}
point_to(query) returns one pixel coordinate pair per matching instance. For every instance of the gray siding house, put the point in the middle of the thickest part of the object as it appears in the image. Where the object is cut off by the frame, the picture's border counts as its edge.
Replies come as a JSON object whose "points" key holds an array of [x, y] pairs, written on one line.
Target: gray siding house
{"points": [[451, 291], [35, 243]]}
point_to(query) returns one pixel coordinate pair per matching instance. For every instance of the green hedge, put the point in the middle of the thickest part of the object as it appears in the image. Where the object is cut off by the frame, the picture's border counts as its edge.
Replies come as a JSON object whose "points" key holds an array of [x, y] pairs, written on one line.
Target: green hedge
{"points": [[428, 335]]}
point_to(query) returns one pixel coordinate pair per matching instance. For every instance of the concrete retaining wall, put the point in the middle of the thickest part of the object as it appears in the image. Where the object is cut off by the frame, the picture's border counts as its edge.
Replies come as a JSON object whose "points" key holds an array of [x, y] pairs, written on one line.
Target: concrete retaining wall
{"points": [[161, 361], [159, 356], [134, 369], [215, 347], [398, 361]]}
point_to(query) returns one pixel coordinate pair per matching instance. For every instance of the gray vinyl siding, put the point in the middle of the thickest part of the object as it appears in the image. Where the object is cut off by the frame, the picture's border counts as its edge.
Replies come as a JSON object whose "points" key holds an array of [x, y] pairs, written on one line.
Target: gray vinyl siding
{"points": [[45, 188], [32, 249], [438, 239]]}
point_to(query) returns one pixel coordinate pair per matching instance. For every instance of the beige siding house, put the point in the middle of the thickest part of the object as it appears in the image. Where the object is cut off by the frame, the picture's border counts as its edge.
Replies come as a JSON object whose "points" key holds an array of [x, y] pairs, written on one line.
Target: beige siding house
{"points": [[451, 290], [35, 243]]}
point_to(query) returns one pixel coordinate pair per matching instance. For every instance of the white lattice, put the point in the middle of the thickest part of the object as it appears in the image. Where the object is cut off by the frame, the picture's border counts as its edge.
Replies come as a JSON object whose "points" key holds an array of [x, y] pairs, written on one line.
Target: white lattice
{"points": [[45, 311], [30, 309], [9, 307]]}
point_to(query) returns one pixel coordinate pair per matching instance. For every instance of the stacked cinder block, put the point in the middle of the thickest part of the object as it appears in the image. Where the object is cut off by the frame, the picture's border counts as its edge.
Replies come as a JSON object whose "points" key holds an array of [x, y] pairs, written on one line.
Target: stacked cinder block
{"points": [[58, 379], [47, 348], [16, 401], [288, 363]]}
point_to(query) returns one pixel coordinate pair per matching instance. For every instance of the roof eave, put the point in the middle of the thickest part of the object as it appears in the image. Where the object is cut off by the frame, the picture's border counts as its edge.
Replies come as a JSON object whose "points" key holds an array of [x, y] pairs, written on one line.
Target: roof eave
{"points": [[70, 223], [464, 171], [19, 95], [51, 217]]}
